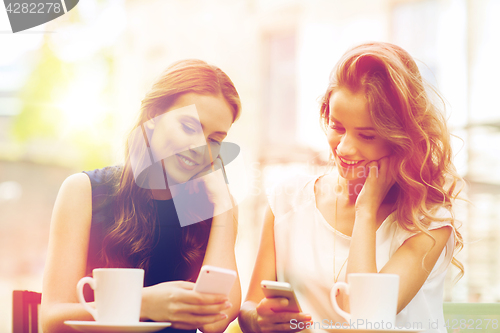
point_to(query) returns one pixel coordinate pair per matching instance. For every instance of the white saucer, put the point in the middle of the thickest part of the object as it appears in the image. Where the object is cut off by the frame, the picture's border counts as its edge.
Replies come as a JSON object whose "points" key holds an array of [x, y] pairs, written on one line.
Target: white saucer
{"points": [[94, 327]]}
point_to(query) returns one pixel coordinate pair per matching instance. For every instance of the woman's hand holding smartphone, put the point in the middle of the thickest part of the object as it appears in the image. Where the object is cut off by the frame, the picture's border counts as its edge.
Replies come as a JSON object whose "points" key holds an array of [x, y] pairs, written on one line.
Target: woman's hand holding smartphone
{"points": [[273, 289], [190, 305], [280, 311], [178, 303], [215, 280]]}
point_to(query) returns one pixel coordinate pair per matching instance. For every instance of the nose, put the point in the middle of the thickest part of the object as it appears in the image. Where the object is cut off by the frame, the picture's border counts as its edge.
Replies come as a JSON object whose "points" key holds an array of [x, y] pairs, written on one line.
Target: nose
{"points": [[346, 146], [197, 141], [202, 148], [198, 149]]}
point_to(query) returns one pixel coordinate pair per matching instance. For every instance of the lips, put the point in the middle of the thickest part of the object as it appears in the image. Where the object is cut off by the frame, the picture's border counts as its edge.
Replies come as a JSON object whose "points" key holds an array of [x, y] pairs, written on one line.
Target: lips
{"points": [[347, 163], [186, 162]]}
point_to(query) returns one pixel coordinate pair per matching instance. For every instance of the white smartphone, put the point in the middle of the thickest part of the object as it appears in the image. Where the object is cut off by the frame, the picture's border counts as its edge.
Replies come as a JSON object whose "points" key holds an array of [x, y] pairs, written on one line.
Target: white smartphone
{"points": [[272, 289], [215, 280]]}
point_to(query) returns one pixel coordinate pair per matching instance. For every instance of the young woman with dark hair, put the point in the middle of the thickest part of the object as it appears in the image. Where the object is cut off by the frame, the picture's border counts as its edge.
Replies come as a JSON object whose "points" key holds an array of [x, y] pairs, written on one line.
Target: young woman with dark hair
{"points": [[126, 216]]}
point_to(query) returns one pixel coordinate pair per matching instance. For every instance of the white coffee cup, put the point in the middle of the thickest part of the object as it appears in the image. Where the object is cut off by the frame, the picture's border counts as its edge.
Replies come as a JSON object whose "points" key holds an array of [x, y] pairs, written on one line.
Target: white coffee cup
{"points": [[373, 300], [117, 294]]}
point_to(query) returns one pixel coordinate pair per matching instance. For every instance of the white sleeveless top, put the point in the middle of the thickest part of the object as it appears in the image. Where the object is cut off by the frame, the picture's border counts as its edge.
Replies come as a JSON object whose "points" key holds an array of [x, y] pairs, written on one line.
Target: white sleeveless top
{"points": [[305, 253]]}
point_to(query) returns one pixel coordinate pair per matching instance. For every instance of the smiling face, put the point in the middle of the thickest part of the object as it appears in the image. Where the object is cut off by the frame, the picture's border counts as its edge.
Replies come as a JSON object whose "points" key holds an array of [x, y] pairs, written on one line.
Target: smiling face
{"points": [[188, 135], [351, 134]]}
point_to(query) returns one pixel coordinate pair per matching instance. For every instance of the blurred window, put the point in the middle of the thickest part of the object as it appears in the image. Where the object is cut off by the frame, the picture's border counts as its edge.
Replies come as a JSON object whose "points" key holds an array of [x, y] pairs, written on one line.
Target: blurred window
{"points": [[280, 95], [413, 27], [12, 78]]}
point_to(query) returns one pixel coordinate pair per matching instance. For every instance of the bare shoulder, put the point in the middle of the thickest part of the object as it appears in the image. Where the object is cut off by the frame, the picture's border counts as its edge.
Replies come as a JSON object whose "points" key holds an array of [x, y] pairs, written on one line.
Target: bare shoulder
{"points": [[74, 198], [77, 182], [423, 243], [68, 241], [325, 185]]}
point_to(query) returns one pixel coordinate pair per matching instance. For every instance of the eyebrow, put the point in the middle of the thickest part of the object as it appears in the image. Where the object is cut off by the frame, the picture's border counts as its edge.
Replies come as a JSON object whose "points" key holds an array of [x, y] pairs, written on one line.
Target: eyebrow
{"points": [[191, 118], [357, 128]]}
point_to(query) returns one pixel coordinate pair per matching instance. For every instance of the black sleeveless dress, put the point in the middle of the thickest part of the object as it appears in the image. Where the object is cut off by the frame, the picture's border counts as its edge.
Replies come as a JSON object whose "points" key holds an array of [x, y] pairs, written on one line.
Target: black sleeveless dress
{"points": [[166, 262]]}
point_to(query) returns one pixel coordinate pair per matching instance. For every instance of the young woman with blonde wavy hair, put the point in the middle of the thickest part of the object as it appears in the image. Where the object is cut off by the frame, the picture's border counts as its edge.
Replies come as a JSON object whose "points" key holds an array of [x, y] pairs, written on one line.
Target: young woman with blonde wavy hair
{"points": [[386, 209], [125, 216]]}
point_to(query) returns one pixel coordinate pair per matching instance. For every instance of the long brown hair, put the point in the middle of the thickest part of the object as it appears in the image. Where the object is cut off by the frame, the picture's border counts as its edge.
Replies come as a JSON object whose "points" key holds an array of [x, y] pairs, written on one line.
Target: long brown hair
{"points": [[405, 116], [130, 240]]}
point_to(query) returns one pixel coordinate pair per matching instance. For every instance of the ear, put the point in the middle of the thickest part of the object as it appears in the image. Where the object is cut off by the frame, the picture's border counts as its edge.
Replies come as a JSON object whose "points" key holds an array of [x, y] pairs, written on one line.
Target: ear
{"points": [[150, 125], [151, 114]]}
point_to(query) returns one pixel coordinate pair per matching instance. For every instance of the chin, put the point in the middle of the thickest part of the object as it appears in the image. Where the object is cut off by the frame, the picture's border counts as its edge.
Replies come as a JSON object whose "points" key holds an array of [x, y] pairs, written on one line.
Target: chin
{"points": [[175, 175], [352, 174]]}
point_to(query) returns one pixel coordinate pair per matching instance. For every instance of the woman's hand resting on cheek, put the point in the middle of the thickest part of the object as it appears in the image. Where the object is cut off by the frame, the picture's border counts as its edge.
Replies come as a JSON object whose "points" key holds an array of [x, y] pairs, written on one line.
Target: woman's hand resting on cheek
{"points": [[270, 319], [378, 182], [176, 302], [211, 180]]}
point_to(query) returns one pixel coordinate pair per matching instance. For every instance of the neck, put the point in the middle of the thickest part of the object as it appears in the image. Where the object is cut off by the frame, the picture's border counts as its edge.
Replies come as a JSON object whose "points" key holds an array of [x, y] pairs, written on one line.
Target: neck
{"points": [[351, 188], [161, 194]]}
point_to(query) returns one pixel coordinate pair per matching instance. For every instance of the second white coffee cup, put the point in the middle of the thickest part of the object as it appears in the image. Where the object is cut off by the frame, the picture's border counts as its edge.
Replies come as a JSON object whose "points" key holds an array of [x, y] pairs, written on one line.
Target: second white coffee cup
{"points": [[373, 299], [117, 294]]}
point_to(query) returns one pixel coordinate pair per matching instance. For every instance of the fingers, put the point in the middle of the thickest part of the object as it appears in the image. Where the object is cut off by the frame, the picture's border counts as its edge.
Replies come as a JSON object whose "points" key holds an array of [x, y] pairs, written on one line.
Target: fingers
{"points": [[177, 302], [285, 317], [271, 319], [195, 298], [284, 322], [184, 284], [380, 168], [294, 326], [190, 310], [290, 324], [190, 321], [194, 186], [383, 164], [373, 169], [269, 306], [203, 310], [188, 296]]}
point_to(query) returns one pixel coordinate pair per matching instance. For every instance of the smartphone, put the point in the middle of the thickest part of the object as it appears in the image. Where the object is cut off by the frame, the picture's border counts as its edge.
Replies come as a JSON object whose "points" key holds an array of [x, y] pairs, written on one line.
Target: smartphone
{"points": [[273, 289], [215, 280]]}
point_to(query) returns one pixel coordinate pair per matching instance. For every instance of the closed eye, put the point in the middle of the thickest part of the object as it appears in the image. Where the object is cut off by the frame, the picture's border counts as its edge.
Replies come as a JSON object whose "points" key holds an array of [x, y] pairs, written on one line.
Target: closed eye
{"points": [[188, 129], [336, 128], [216, 141], [367, 137]]}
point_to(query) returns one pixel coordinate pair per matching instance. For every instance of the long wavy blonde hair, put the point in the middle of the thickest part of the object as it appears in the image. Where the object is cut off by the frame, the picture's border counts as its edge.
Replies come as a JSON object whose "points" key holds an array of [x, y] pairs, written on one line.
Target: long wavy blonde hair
{"points": [[129, 241], [405, 116]]}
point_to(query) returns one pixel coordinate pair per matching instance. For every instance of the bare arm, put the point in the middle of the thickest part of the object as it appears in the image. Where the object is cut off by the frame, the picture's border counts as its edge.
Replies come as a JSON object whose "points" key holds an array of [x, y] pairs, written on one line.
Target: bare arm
{"points": [[66, 263], [408, 259], [256, 314], [67, 254], [406, 262], [220, 253]]}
